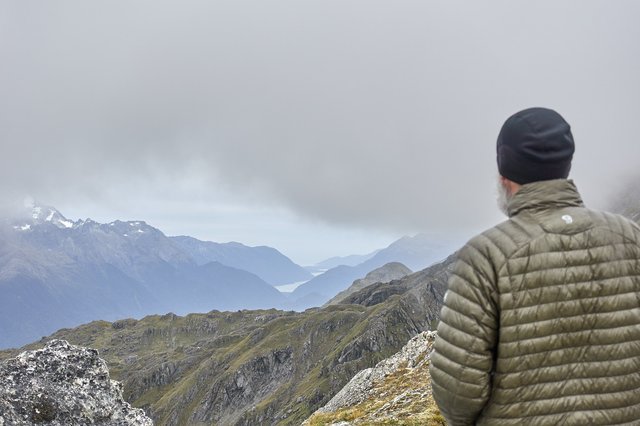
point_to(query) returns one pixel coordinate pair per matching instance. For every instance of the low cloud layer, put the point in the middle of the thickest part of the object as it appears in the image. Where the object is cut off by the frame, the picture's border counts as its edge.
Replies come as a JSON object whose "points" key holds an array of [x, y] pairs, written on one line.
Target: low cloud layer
{"points": [[372, 113]]}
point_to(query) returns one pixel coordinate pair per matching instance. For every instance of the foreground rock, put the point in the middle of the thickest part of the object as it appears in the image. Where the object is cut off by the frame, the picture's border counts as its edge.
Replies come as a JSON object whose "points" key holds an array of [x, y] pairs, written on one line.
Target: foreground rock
{"points": [[397, 389], [63, 384]]}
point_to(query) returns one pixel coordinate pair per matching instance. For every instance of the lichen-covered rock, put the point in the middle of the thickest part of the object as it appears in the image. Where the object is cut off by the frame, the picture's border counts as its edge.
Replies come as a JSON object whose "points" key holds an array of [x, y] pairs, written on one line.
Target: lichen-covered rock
{"points": [[60, 385]]}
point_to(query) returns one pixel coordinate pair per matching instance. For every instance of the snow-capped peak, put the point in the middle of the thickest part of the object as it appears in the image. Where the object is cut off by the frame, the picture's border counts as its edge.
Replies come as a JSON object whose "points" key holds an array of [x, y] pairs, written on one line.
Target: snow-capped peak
{"points": [[42, 214]]}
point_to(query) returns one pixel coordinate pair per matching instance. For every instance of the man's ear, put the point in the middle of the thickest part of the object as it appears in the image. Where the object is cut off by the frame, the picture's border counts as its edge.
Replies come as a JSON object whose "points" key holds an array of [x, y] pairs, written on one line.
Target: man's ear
{"points": [[510, 185]]}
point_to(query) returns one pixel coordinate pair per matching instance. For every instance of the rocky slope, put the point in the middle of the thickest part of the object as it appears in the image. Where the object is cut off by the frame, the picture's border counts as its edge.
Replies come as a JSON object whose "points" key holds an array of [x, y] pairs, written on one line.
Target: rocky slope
{"points": [[260, 367], [63, 385], [389, 272], [396, 391]]}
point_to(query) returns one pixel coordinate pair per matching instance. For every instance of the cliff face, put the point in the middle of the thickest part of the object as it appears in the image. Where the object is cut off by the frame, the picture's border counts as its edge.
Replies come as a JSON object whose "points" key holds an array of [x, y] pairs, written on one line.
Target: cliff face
{"points": [[260, 367], [63, 385]]}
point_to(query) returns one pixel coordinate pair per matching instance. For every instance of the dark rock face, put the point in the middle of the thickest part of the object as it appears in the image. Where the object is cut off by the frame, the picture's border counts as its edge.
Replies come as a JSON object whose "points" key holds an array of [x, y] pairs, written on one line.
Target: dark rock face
{"points": [[227, 400], [60, 385]]}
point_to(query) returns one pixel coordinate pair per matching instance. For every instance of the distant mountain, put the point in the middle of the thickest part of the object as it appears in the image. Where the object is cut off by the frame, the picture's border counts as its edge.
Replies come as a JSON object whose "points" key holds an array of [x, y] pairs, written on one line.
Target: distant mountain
{"points": [[384, 274], [352, 260], [266, 262], [57, 273], [415, 252], [264, 367]]}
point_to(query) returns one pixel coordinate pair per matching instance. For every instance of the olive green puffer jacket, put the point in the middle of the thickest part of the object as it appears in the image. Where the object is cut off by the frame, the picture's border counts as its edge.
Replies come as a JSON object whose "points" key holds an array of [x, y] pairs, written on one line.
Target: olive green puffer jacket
{"points": [[541, 321]]}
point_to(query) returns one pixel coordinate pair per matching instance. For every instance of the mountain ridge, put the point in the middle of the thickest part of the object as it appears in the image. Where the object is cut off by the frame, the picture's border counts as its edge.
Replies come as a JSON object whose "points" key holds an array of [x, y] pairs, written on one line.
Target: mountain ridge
{"points": [[58, 273], [388, 272], [266, 262]]}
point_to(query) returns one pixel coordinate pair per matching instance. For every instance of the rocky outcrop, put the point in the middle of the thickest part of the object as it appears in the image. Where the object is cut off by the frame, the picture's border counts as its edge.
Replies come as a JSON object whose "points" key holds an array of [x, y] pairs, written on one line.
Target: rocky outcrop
{"points": [[61, 385], [412, 355], [397, 389]]}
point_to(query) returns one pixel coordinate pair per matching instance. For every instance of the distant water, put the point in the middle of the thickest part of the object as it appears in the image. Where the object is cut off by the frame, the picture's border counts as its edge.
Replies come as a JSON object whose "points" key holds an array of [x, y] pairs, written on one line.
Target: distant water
{"points": [[288, 288]]}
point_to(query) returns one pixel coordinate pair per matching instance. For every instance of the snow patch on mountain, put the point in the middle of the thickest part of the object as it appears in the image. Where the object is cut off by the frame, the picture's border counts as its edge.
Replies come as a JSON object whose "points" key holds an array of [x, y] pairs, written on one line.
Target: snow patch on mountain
{"points": [[40, 214]]}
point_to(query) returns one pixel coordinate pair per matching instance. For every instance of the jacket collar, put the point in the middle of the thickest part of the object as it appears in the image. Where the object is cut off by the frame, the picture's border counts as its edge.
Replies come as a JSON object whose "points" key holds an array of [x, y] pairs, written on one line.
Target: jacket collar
{"points": [[544, 195]]}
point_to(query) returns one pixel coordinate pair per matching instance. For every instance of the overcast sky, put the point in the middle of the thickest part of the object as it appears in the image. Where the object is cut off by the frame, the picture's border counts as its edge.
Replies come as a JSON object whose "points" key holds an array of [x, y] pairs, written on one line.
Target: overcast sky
{"points": [[318, 127]]}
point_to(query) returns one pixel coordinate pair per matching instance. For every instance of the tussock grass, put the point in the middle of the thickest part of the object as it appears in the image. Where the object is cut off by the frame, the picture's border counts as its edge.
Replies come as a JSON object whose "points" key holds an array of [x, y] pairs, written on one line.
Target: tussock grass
{"points": [[403, 398]]}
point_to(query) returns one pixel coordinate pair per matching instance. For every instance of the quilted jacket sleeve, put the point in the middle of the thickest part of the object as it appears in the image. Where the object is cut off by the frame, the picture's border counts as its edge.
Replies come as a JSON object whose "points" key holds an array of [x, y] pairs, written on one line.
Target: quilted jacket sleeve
{"points": [[462, 362]]}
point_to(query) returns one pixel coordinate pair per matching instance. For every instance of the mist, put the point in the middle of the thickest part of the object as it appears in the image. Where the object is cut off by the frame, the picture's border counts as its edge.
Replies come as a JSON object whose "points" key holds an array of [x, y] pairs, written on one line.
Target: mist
{"points": [[353, 114]]}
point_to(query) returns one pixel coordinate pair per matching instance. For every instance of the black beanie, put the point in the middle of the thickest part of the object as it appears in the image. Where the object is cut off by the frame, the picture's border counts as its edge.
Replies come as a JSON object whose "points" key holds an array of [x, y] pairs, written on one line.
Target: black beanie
{"points": [[535, 144]]}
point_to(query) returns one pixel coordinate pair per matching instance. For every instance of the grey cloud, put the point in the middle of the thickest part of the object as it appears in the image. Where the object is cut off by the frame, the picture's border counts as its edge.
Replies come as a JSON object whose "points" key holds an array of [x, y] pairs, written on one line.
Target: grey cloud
{"points": [[358, 112]]}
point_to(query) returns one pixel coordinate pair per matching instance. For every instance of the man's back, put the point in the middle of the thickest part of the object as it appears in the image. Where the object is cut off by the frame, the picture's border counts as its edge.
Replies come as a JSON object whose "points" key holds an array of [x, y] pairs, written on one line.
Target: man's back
{"points": [[541, 324]]}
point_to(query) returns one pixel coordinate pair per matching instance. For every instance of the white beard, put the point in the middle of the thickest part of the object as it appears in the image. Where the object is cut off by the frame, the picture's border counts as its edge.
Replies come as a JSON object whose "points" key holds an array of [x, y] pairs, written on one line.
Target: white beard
{"points": [[503, 198]]}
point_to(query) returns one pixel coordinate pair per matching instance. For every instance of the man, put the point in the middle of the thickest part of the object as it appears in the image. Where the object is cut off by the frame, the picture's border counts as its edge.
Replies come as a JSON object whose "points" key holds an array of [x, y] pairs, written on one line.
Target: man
{"points": [[541, 321]]}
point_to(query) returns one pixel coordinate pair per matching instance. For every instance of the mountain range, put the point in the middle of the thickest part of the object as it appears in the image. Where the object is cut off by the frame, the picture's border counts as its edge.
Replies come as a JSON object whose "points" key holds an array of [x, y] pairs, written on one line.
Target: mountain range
{"points": [[266, 262], [351, 260], [57, 273]]}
